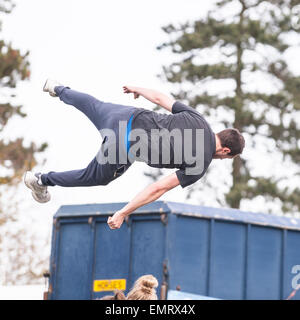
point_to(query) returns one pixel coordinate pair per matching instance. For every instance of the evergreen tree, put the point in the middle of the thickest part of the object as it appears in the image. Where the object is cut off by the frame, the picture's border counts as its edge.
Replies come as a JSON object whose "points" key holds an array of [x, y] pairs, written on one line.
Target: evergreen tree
{"points": [[21, 263], [250, 39], [15, 158]]}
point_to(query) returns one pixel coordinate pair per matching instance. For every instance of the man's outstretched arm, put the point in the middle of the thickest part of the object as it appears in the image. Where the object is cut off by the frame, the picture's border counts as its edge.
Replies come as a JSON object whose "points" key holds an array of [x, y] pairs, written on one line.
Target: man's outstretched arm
{"points": [[151, 95], [149, 194]]}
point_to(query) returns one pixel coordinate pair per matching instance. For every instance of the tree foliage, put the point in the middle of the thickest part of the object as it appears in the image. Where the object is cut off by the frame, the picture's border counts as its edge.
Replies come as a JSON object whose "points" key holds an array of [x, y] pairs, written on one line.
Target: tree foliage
{"points": [[251, 38], [21, 263], [15, 157]]}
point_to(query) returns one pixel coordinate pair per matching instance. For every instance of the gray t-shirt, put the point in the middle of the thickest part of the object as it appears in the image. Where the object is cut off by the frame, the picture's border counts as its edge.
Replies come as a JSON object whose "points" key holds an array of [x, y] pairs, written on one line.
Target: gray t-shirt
{"points": [[175, 141]]}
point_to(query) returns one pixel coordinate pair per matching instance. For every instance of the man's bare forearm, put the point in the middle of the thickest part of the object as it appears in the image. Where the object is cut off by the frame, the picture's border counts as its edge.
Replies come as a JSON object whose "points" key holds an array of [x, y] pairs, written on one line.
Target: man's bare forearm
{"points": [[149, 194], [156, 97], [149, 94]]}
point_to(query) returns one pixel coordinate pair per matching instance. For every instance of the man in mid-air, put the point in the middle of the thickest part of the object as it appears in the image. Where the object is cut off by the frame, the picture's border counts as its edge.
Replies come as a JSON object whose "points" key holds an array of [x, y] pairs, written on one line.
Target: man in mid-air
{"points": [[182, 140]]}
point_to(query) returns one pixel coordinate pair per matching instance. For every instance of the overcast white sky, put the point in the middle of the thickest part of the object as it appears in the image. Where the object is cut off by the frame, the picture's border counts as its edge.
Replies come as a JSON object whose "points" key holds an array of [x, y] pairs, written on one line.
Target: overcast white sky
{"points": [[95, 47]]}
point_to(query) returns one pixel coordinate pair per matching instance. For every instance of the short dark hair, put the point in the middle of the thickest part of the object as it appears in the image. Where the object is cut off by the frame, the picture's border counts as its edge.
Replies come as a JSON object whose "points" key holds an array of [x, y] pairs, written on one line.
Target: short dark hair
{"points": [[232, 139]]}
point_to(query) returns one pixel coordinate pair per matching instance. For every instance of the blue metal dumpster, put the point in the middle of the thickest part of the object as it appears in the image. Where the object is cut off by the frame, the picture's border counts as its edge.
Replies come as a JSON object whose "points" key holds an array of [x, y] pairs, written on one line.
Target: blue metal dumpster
{"points": [[220, 253]]}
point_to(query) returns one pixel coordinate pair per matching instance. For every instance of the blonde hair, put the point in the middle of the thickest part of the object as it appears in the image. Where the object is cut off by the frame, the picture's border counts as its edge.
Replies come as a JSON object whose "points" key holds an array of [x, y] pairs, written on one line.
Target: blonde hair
{"points": [[144, 288]]}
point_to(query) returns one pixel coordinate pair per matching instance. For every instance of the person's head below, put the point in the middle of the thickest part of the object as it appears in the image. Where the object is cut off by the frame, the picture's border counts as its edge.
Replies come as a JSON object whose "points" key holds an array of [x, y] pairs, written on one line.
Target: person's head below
{"points": [[229, 144], [118, 295], [144, 289]]}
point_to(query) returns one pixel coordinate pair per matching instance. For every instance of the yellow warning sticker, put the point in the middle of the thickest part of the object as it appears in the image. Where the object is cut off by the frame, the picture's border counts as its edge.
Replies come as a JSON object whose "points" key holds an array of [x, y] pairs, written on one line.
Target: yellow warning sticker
{"points": [[109, 285]]}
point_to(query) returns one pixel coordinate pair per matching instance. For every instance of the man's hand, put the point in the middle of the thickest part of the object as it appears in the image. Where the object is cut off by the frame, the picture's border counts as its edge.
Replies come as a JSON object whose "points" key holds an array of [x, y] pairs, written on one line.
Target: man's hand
{"points": [[129, 89], [116, 220]]}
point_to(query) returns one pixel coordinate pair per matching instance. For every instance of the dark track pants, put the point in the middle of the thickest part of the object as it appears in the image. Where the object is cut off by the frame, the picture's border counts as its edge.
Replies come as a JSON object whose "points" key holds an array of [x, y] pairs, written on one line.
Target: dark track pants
{"points": [[104, 116]]}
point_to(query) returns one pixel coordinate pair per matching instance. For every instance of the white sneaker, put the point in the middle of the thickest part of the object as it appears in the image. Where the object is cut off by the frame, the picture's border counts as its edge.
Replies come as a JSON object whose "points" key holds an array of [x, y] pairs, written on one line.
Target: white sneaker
{"points": [[39, 192], [49, 86]]}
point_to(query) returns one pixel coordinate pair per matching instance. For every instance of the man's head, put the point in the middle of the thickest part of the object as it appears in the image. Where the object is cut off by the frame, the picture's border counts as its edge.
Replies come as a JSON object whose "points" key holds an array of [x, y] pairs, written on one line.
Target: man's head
{"points": [[229, 144]]}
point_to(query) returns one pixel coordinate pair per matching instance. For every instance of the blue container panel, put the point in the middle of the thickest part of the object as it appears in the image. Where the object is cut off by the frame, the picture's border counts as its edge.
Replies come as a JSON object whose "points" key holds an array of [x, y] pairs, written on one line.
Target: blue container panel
{"points": [[111, 254], [147, 249], [228, 260], [264, 263], [223, 254], [292, 259], [189, 254], [73, 271]]}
